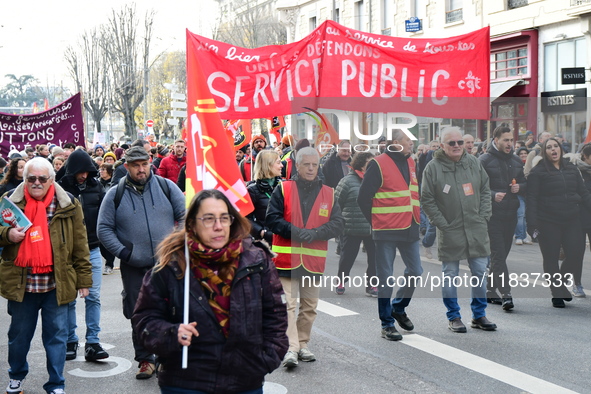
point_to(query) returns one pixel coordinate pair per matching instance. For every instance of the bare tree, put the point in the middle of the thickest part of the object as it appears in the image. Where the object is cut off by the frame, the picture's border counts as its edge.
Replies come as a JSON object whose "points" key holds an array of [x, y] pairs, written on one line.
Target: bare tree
{"points": [[128, 61], [88, 68]]}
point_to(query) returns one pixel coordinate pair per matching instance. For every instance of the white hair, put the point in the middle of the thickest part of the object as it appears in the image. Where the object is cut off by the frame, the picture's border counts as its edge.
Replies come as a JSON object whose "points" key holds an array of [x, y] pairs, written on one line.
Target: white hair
{"points": [[448, 130], [307, 151], [39, 163]]}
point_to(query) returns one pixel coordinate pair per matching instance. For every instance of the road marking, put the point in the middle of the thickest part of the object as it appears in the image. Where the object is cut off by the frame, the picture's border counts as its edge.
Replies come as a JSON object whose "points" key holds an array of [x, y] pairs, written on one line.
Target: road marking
{"points": [[122, 365], [274, 388], [334, 310], [483, 366]]}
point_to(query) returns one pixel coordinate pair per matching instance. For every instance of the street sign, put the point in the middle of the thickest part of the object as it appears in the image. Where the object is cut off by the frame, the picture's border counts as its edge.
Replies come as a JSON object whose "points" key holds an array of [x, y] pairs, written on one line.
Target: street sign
{"points": [[178, 114], [178, 104], [172, 122], [178, 96], [150, 123], [413, 24]]}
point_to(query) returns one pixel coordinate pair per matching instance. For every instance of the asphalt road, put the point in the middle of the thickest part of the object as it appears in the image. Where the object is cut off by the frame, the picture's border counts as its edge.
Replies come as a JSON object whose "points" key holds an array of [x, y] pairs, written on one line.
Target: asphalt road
{"points": [[537, 348]]}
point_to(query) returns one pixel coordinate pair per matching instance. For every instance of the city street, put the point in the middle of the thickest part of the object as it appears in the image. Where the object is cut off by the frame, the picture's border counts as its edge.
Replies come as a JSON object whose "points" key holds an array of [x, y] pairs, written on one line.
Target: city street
{"points": [[537, 348]]}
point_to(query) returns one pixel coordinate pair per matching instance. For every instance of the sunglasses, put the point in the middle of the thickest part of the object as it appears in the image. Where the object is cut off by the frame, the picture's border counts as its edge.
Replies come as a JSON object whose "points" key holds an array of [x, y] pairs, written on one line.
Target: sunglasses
{"points": [[33, 179], [453, 143]]}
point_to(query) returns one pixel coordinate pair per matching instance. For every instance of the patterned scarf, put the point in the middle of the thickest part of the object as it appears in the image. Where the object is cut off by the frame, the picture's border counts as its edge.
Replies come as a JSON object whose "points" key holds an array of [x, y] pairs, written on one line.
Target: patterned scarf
{"points": [[35, 250], [206, 263]]}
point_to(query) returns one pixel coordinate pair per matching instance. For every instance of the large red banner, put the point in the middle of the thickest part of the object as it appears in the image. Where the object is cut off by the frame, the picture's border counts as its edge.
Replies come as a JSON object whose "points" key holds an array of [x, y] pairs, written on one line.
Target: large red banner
{"points": [[341, 68], [58, 125], [210, 155]]}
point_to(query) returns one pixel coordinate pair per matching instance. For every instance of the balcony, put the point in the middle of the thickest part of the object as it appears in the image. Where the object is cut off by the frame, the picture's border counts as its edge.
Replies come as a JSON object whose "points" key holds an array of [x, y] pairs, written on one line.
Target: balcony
{"points": [[516, 3], [453, 16]]}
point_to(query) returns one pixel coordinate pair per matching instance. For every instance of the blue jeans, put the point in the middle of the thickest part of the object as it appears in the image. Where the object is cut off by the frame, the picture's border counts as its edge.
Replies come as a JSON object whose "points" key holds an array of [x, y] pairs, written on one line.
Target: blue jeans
{"points": [[451, 269], [92, 303], [54, 335], [385, 254], [521, 225], [180, 390], [429, 238], [424, 220]]}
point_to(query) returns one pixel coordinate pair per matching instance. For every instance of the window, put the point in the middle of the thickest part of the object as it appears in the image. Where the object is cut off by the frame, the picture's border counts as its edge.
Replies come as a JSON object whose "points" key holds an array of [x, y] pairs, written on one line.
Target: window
{"points": [[386, 14], [419, 8], [453, 11], [312, 23], [509, 63], [562, 54], [516, 4], [337, 15], [359, 20]]}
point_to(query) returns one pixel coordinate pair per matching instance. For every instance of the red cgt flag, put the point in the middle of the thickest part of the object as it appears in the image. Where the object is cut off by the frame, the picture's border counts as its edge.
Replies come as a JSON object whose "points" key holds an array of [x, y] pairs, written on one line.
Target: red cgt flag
{"points": [[209, 152]]}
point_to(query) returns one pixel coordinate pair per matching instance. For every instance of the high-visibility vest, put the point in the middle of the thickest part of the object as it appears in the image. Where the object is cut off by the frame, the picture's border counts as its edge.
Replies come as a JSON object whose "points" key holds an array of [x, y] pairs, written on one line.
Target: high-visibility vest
{"points": [[291, 254], [288, 168], [396, 203]]}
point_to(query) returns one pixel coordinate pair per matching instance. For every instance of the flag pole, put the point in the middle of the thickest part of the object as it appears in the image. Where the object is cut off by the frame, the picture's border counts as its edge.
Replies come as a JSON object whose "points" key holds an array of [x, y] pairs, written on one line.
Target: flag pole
{"points": [[186, 301]]}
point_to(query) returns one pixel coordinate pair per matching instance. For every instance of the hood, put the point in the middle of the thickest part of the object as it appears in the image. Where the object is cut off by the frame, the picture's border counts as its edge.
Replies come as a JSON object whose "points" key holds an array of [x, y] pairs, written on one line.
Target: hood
{"points": [[80, 161], [450, 164]]}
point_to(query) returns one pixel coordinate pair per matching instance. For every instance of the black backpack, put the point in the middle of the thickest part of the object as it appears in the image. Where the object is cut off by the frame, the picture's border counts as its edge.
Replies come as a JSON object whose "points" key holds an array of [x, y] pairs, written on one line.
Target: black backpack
{"points": [[121, 189]]}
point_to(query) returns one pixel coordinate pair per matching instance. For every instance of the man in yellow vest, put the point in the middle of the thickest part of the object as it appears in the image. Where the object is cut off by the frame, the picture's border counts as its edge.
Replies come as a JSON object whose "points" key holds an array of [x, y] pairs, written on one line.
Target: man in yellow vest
{"points": [[303, 215], [389, 199]]}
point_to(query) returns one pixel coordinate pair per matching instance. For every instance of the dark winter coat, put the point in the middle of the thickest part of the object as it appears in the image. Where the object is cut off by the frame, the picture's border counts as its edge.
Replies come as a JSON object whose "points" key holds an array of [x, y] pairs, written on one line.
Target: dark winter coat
{"points": [[333, 170], [260, 193], [90, 193], [257, 339], [502, 168], [8, 186], [585, 213], [346, 194], [555, 195]]}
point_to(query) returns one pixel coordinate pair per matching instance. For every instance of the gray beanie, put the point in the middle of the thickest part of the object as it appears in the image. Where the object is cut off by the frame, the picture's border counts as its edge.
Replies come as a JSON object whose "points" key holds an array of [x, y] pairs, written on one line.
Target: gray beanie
{"points": [[136, 153]]}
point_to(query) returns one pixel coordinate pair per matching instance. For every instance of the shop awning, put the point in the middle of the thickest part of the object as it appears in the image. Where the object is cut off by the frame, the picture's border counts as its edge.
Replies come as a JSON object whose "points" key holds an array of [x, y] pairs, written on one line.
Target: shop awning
{"points": [[497, 89]]}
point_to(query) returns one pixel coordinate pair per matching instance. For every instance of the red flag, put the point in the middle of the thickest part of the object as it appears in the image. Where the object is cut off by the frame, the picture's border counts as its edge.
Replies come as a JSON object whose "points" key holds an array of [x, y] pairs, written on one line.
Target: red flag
{"points": [[35, 108], [208, 149], [45, 105], [239, 132], [327, 136], [277, 122]]}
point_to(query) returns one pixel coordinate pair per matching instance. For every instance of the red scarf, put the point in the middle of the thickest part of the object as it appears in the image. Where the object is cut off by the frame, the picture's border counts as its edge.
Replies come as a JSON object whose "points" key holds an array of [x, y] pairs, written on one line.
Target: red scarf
{"points": [[35, 250], [205, 263]]}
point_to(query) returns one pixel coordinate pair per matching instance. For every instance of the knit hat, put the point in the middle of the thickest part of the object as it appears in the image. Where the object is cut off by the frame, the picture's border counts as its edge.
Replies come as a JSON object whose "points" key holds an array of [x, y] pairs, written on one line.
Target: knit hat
{"points": [[97, 146], [303, 143], [110, 154], [522, 148], [136, 153], [259, 137], [287, 140]]}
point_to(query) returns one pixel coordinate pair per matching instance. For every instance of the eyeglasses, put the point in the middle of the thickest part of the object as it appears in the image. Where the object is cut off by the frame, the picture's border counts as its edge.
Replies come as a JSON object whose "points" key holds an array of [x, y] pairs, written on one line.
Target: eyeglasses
{"points": [[33, 179], [209, 220], [453, 143]]}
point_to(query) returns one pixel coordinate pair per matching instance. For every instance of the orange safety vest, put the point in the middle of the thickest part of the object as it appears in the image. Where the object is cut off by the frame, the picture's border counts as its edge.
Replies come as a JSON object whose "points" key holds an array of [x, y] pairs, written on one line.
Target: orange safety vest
{"points": [[288, 168], [396, 203], [292, 254]]}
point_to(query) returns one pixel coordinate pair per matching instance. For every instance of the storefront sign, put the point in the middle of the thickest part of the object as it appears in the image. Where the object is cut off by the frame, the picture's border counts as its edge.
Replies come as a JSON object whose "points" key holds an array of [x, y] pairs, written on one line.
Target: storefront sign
{"points": [[564, 100], [572, 76]]}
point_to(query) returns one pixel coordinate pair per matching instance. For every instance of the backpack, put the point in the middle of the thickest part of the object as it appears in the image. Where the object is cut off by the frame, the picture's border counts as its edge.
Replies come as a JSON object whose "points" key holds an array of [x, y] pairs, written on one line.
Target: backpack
{"points": [[121, 189]]}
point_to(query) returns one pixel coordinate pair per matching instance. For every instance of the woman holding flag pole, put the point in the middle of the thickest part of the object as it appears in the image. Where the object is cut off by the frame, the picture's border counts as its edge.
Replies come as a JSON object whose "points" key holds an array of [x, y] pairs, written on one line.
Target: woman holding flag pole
{"points": [[237, 319]]}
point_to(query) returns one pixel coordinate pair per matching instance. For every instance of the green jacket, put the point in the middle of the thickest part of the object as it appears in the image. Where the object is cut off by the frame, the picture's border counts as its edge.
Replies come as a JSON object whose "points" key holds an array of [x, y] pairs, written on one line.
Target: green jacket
{"points": [[71, 257], [456, 198]]}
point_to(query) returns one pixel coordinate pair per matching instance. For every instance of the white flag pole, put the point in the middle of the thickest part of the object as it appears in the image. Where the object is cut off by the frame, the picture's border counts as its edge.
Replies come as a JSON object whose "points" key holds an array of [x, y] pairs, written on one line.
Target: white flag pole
{"points": [[186, 301]]}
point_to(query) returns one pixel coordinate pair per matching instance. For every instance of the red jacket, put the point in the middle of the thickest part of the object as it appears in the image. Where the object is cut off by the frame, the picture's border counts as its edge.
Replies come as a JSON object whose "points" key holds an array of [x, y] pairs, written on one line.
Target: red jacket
{"points": [[170, 167]]}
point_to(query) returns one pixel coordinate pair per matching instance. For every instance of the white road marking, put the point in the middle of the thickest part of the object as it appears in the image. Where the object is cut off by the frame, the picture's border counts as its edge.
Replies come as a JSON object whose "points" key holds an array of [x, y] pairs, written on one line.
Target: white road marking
{"points": [[274, 388], [483, 366], [334, 310], [122, 365]]}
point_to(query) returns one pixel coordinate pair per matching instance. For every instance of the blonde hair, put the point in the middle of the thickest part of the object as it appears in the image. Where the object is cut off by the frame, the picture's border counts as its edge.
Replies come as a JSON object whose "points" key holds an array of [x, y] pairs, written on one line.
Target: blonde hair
{"points": [[262, 166]]}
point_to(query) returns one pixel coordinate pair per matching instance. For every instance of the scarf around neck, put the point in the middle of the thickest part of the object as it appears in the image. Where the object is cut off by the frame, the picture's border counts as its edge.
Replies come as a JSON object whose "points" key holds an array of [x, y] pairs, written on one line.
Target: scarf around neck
{"points": [[205, 264], [35, 250]]}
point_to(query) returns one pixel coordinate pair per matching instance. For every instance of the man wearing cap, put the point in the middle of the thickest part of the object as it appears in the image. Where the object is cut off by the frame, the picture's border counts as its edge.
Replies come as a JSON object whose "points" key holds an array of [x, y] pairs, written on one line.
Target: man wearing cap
{"points": [[132, 230], [171, 165], [259, 142]]}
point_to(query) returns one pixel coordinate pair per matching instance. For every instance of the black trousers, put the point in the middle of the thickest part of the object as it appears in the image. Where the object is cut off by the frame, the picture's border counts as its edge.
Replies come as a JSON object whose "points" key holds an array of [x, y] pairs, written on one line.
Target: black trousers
{"points": [[108, 256], [500, 233], [132, 278], [349, 251], [572, 239]]}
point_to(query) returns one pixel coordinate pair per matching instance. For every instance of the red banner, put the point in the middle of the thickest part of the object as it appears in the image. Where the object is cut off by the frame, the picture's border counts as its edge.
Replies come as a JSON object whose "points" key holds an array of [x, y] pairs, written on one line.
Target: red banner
{"points": [[239, 132], [208, 148], [58, 125], [418, 75]]}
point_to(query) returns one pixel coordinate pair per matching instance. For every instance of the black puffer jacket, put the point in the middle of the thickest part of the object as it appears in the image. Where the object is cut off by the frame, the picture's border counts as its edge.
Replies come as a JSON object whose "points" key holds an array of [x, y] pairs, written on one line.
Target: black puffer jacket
{"points": [[90, 193], [346, 194], [257, 340], [502, 168], [555, 195], [260, 193], [333, 170]]}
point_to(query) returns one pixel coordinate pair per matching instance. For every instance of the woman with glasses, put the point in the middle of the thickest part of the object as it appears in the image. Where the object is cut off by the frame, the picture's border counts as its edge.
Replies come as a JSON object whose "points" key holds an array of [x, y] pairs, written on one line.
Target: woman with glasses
{"points": [[14, 175], [556, 193], [237, 319], [267, 175]]}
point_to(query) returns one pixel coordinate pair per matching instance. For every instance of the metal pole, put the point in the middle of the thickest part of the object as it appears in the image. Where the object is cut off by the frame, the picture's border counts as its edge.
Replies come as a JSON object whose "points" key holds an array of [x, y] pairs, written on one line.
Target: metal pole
{"points": [[146, 117]]}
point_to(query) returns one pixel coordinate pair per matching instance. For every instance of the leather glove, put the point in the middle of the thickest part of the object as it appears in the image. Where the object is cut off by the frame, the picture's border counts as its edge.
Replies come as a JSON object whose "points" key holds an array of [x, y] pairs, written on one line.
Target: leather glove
{"points": [[269, 236], [307, 235]]}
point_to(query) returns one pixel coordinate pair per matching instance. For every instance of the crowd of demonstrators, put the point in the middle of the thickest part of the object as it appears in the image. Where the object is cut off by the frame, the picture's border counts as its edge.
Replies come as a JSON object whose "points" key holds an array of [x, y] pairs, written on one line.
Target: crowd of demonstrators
{"points": [[289, 164], [42, 270], [456, 197], [238, 322], [521, 237], [357, 227], [171, 165], [13, 176], [303, 215], [556, 194], [389, 200], [80, 181], [147, 202], [246, 166], [535, 151], [506, 181], [267, 176]]}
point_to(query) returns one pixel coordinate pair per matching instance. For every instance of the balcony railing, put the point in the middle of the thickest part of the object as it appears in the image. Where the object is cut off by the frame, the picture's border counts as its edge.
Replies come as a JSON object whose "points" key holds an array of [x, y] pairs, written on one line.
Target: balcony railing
{"points": [[579, 2], [453, 16], [516, 3]]}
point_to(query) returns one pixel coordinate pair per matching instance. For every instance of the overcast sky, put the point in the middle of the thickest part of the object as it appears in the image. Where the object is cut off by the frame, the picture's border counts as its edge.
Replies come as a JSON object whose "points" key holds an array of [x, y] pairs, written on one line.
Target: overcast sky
{"points": [[35, 33]]}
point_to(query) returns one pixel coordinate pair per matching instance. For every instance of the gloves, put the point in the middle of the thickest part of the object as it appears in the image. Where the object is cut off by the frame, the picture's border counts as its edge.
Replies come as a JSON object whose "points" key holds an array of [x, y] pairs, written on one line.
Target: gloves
{"points": [[269, 237], [307, 235]]}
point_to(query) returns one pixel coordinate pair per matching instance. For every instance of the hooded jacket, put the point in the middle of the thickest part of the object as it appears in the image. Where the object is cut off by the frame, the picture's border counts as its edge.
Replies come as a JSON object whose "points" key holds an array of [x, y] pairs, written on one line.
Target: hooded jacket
{"points": [[456, 198], [90, 193], [71, 264], [346, 194]]}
